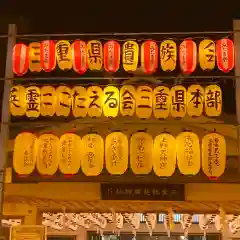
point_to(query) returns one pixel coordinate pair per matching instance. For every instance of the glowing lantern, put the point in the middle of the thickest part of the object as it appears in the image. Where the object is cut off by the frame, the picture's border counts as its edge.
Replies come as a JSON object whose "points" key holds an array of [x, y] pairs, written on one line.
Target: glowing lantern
{"points": [[179, 101], [64, 55], [188, 56], [111, 56], [95, 99], [79, 56], [48, 55], [130, 52], [225, 55], [34, 57], [116, 153], [144, 102], [141, 146], [20, 59], [127, 100], [164, 155], [110, 101], [64, 101], [213, 155], [17, 103], [95, 55], [79, 101], [33, 99], [48, 101], [92, 154], [24, 153], [188, 153], [207, 53]]}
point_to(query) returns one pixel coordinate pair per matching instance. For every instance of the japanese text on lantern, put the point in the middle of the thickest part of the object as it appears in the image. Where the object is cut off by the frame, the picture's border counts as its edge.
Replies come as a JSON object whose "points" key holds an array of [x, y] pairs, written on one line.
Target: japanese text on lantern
{"points": [[213, 153], [140, 153], [127, 100], [17, 103], [163, 148], [66, 151], [47, 152], [144, 102], [178, 108], [188, 150], [95, 55], [33, 101], [91, 152], [116, 152], [94, 101], [79, 101]]}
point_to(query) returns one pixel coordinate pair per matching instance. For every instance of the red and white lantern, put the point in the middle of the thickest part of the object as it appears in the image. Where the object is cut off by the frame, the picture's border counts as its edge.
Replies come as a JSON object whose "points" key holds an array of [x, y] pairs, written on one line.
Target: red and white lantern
{"points": [[48, 55], [225, 55], [111, 56]]}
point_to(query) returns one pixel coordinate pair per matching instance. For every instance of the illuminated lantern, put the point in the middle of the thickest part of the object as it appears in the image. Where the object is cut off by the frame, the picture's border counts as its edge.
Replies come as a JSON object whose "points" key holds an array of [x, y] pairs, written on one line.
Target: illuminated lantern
{"points": [[213, 155], [69, 153], [48, 55], [225, 55], [79, 102], [17, 103], [24, 153], [64, 101], [179, 101], [64, 55], [79, 56], [95, 55], [161, 102], [207, 54], [195, 100], [144, 102], [47, 154], [213, 101], [92, 154], [110, 101], [164, 155], [168, 55], [149, 56], [48, 101], [95, 100], [33, 100], [188, 56], [141, 147], [130, 52], [20, 59], [188, 153], [111, 56], [116, 153], [127, 100], [34, 57]]}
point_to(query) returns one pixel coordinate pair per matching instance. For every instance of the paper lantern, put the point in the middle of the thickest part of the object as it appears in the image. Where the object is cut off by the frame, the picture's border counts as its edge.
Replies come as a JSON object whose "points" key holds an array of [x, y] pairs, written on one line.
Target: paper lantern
{"points": [[141, 146], [64, 55], [188, 153], [17, 102], [161, 102], [213, 155], [34, 57], [127, 100], [179, 101], [195, 100], [110, 101], [33, 99], [69, 153], [144, 102], [95, 100], [207, 54], [168, 55], [213, 100], [188, 56], [111, 56], [116, 153], [79, 101], [164, 155], [24, 153], [92, 154], [48, 55], [20, 59], [95, 55], [64, 101], [130, 52], [48, 101], [79, 56], [225, 55]]}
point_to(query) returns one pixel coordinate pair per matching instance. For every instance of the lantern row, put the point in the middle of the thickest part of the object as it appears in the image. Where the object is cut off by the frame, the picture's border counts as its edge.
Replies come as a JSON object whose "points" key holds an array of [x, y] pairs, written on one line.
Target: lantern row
{"points": [[70, 152], [94, 101], [95, 56]]}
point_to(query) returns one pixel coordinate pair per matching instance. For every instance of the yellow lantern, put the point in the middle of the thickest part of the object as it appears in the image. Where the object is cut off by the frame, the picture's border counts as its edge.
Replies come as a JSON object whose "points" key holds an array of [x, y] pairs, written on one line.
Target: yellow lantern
{"points": [[33, 100], [34, 57], [69, 153], [188, 153], [48, 101], [213, 155], [79, 101], [95, 55], [144, 102], [24, 153], [207, 53], [47, 154], [64, 55], [161, 102], [64, 101], [116, 153], [17, 103], [213, 101], [195, 100], [179, 100], [110, 101], [130, 53], [92, 154], [127, 100], [95, 99], [141, 146]]}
